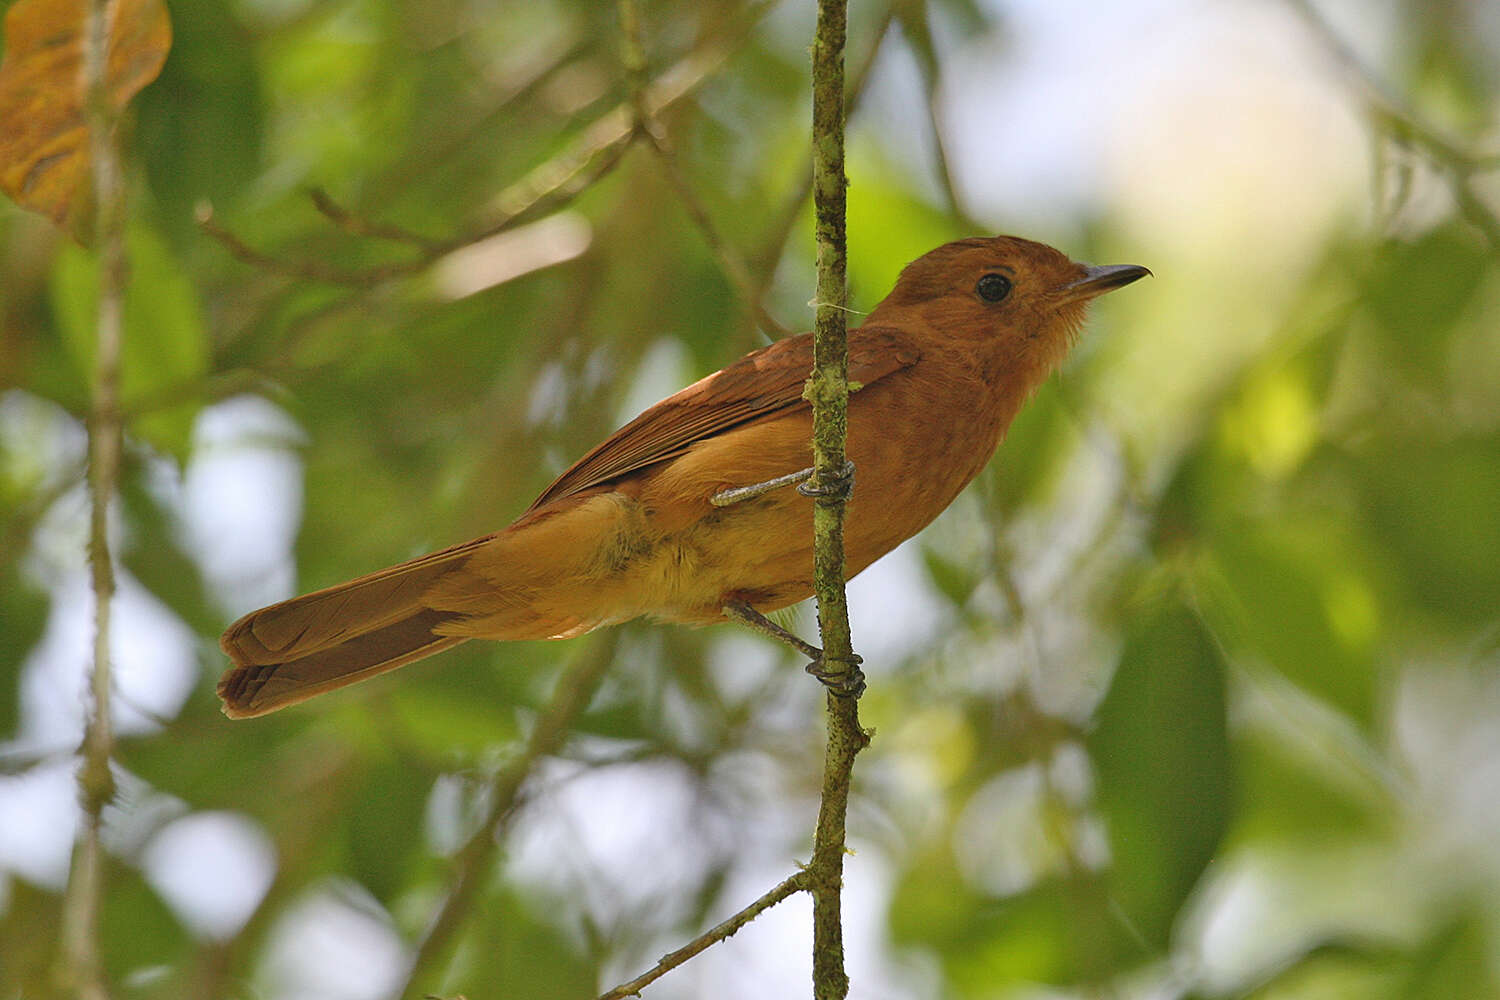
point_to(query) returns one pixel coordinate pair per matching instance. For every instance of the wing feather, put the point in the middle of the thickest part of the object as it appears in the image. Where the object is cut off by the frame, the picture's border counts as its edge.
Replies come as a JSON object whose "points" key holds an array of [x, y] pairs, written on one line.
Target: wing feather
{"points": [[760, 383]]}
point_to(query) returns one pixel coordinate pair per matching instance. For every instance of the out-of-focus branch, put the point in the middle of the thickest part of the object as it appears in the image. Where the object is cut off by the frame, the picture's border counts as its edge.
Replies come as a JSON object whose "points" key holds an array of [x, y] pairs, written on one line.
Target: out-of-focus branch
{"points": [[919, 39], [773, 244], [1403, 125], [548, 187], [357, 225], [81, 968], [540, 68], [731, 262], [575, 688]]}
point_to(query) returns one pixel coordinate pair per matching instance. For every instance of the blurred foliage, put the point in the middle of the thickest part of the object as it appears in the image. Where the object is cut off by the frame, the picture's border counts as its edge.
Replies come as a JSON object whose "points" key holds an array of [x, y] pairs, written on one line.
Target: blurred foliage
{"points": [[1204, 713]]}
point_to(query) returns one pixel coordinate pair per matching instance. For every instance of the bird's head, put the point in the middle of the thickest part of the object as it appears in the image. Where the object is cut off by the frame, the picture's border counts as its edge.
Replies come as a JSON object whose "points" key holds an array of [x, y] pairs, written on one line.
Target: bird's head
{"points": [[1015, 303]]}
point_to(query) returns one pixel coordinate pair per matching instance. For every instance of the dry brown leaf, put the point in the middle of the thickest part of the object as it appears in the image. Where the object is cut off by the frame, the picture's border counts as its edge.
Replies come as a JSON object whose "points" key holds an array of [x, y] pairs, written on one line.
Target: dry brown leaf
{"points": [[44, 147]]}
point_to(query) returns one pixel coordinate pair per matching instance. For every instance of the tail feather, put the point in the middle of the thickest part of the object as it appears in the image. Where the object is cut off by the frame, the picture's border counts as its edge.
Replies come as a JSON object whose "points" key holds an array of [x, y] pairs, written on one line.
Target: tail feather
{"points": [[251, 689], [289, 652]]}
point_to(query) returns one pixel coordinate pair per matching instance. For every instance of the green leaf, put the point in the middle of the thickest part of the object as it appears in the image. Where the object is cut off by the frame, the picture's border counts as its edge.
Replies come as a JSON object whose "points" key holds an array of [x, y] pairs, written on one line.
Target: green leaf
{"points": [[1161, 752], [1293, 597], [1456, 962], [1033, 453], [1433, 507], [164, 349], [139, 930], [23, 616], [1417, 290], [30, 927], [199, 129], [513, 948], [384, 826]]}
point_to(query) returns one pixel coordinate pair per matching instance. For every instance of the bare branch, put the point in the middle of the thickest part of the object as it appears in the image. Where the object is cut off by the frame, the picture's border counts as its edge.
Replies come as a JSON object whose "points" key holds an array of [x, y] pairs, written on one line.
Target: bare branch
{"points": [[704, 941]]}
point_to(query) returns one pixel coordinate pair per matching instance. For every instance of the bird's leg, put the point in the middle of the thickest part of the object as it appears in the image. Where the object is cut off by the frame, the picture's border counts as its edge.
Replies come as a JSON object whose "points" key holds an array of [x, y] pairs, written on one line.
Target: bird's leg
{"points": [[840, 487], [736, 494], [837, 488], [848, 683]]}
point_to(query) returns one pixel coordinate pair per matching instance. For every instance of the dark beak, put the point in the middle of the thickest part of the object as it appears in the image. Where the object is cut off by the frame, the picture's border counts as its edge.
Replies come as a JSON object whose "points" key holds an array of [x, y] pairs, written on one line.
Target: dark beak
{"points": [[1098, 279]]}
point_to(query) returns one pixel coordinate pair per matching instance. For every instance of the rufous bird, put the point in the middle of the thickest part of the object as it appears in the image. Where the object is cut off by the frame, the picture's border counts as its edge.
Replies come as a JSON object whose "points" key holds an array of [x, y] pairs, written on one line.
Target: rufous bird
{"points": [[688, 513]]}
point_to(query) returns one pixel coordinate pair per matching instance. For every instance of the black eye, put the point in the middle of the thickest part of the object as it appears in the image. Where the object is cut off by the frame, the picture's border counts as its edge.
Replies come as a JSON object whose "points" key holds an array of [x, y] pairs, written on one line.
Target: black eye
{"points": [[993, 287]]}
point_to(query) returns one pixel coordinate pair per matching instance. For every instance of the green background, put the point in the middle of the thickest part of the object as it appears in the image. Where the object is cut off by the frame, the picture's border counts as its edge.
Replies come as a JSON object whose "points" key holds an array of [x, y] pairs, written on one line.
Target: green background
{"points": [[1193, 694]]}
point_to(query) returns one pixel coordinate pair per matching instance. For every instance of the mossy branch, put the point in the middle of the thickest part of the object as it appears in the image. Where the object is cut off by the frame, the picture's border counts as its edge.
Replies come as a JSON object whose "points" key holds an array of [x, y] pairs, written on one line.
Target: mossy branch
{"points": [[828, 392]]}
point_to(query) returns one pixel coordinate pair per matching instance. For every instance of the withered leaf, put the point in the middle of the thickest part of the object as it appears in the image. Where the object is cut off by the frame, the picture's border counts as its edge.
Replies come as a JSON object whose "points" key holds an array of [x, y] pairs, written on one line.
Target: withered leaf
{"points": [[44, 143]]}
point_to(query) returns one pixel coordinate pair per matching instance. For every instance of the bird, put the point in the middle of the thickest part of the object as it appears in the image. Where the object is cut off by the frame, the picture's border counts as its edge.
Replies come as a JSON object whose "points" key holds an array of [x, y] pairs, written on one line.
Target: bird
{"points": [[692, 512]]}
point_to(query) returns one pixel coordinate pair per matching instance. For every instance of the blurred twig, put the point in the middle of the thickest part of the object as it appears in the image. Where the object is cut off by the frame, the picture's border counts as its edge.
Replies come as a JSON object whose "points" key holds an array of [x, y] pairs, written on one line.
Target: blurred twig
{"points": [[918, 33], [81, 968], [546, 188], [357, 225], [773, 245], [539, 69], [1403, 125], [647, 125], [575, 688]]}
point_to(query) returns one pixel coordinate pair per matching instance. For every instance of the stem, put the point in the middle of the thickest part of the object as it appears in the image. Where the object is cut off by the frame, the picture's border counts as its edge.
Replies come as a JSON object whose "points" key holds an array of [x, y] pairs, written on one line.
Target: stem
{"points": [[828, 391], [704, 941], [81, 970]]}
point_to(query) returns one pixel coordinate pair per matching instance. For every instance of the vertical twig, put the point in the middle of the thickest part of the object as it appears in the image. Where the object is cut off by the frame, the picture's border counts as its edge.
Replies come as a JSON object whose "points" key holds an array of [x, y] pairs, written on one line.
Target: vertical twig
{"points": [[81, 971], [828, 391]]}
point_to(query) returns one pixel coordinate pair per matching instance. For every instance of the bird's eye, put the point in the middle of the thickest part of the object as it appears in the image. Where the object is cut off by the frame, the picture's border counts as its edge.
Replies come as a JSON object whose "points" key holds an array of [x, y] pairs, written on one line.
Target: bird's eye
{"points": [[993, 287]]}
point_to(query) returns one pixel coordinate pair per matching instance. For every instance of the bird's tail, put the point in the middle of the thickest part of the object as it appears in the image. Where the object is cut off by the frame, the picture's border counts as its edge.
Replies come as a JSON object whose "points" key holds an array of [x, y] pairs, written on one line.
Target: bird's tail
{"points": [[289, 652]]}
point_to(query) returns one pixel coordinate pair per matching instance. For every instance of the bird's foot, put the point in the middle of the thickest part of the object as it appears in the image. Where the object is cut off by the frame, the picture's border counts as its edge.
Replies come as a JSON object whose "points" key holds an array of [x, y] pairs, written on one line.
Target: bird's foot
{"points": [[840, 676], [738, 494], [837, 488]]}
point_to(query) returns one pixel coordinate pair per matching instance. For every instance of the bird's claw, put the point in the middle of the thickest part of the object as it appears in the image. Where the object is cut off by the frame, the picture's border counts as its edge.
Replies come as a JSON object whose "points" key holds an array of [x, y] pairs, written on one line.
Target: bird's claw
{"points": [[837, 488], [843, 678]]}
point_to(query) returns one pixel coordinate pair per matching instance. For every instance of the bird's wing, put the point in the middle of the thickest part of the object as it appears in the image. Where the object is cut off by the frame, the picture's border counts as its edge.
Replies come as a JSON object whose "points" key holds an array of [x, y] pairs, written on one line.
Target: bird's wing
{"points": [[760, 383]]}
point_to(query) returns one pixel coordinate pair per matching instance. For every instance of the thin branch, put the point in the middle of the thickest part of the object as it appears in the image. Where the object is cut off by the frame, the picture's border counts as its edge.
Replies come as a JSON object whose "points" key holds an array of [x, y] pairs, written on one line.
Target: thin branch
{"points": [[545, 189], [357, 225], [704, 941], [828, 391], [773, 245], [731, 262], [82, 969], [1405, 126], [919, 39], [575, 688]]}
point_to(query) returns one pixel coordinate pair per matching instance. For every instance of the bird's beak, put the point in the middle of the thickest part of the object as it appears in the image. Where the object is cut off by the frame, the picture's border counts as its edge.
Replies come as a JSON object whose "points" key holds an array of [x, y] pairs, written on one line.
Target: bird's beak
{"points": [[1098, 279]]}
